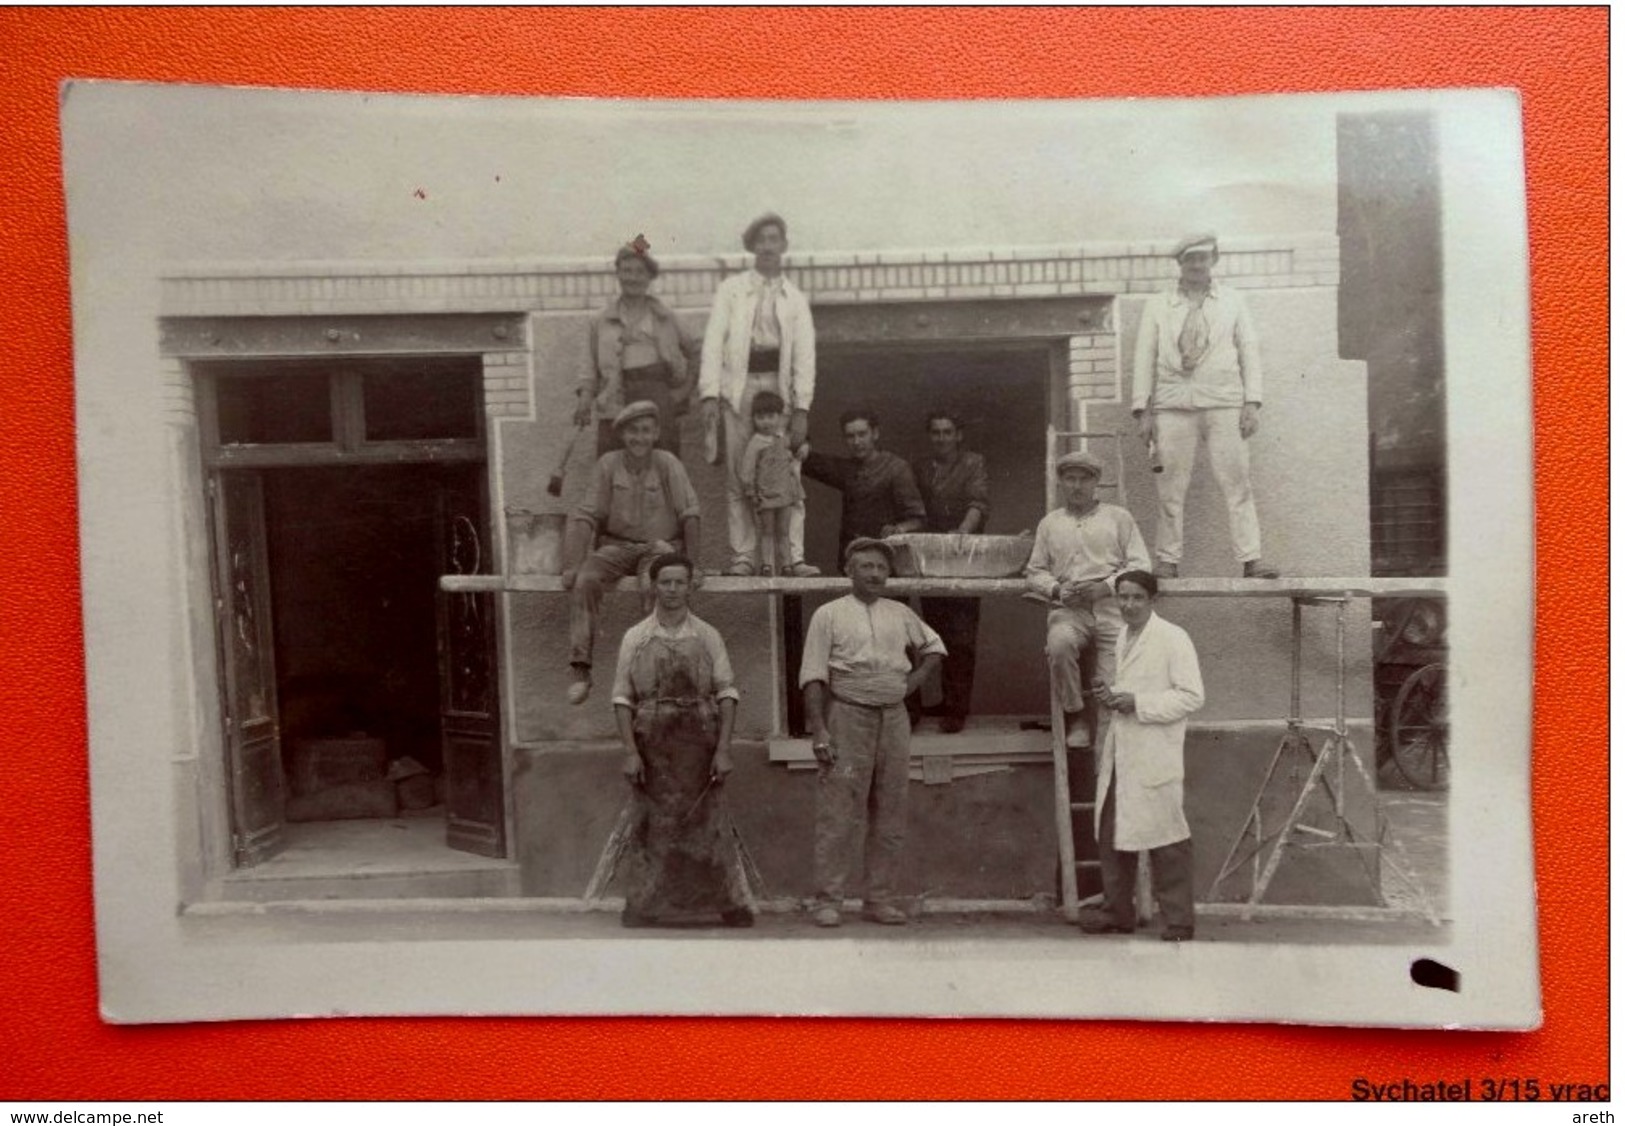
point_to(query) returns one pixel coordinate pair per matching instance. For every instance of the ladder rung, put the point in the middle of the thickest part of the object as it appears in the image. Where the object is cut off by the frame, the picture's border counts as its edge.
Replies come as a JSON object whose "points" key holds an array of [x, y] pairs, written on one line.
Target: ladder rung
{"points": [[1086, 864], [1077, 805]]}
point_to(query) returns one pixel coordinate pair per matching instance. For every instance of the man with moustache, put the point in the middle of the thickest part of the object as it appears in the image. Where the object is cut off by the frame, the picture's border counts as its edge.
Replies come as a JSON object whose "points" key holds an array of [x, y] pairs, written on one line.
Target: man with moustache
{"points": [[1199, 379], [864, 654]]}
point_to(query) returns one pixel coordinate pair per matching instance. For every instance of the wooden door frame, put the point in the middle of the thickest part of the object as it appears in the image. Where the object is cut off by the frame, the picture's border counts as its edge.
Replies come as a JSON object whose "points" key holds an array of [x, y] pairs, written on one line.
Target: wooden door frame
{"points": [[343, 452]]}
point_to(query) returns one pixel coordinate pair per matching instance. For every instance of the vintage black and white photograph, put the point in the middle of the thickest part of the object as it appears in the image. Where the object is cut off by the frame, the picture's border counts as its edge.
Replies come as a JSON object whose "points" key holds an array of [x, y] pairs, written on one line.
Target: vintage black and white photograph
{"points": [[988, 559]]}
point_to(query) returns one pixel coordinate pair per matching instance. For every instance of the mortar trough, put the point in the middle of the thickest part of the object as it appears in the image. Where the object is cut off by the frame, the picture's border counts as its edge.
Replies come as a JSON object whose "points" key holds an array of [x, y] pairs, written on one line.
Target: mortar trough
{"points": [[954, 555]]}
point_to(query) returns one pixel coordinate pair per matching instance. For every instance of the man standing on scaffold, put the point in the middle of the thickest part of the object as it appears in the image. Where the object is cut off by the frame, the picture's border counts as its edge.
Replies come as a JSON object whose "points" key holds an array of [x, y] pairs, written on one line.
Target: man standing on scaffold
{"points": [[1198, 378]]}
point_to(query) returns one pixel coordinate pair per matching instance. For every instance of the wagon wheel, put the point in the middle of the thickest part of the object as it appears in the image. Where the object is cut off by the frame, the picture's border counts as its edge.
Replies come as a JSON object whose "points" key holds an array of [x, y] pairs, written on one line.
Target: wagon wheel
{"points": [[1419, 729]]}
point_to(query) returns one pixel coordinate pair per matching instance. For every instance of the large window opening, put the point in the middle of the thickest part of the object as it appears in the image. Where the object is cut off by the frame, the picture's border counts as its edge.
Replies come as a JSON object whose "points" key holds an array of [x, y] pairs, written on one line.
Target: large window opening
{"points": [[343, 410]]}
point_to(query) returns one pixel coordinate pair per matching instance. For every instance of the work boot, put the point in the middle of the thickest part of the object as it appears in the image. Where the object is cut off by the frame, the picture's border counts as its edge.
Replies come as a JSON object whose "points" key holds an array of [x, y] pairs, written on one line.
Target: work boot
{"points": [[952, 724], [1078, 737], [1166, 570], [885, 914], [827, 916], [739, 917], [1092, 921], [580, 684], [741, 569], [1178, 934], [801, 571], [1258, 569]]}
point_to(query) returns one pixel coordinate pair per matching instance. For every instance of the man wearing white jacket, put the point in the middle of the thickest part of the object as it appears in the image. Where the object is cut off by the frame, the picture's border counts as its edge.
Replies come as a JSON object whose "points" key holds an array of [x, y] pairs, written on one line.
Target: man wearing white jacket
{"points": [[759, 338], [1140, 780], [1198, 378]]}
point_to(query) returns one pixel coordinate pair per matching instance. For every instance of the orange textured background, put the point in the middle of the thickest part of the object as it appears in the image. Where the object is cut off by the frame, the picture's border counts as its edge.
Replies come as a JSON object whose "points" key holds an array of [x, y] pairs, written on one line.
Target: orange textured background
{"points": [[51, 1040]]}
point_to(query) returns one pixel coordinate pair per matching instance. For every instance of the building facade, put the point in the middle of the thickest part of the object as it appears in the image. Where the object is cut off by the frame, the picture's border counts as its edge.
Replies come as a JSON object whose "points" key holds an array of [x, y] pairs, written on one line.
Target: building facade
{"points": [[341, 436]]}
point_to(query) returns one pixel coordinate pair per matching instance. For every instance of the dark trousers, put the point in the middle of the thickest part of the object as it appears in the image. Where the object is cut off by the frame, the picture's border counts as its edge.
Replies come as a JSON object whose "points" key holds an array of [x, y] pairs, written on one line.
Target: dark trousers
{"points": [[956, 619], [1170, 875]]}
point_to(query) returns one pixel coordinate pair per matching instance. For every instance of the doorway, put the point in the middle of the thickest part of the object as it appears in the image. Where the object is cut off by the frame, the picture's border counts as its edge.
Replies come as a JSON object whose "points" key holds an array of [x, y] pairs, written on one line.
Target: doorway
{"points": [[354, 692], [354, 563], [1001, 395]]}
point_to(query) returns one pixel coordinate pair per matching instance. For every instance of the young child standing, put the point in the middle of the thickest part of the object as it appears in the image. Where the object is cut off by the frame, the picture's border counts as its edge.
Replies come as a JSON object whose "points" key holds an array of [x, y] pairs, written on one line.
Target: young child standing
{"points": [[771, 472]]}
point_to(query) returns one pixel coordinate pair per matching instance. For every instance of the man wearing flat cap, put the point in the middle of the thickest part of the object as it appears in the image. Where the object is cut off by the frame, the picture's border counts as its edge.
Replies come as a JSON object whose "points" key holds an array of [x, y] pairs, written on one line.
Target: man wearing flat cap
{"points": [[638, 506], [1198, 380], [1078, 551], [637, 350], [759, 338], [864, 654]]}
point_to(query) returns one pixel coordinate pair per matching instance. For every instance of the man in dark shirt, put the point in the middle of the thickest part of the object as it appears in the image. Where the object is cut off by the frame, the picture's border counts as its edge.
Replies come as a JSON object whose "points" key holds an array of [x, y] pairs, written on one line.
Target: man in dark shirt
{"points": [[878, 495], [953, 486]]}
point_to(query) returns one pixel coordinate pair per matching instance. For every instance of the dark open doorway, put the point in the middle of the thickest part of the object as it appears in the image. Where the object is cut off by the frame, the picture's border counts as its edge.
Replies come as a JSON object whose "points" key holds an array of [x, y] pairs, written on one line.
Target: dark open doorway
{"points": [[353, 690], [354, 562], [1001, 395]]}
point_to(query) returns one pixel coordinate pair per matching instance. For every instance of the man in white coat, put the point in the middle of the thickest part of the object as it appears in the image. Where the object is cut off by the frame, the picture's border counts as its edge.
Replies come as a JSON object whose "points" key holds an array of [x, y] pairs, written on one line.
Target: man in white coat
{"points": [[759, 338], [1198, 378], [1140, 780]]}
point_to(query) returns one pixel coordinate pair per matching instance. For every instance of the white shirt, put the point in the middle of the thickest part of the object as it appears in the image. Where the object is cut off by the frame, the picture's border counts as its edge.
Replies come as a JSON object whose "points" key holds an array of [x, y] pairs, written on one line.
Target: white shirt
{"points": [[862, 649], [725, 356], [1228, 373], [764, 328], [1099, 545]]}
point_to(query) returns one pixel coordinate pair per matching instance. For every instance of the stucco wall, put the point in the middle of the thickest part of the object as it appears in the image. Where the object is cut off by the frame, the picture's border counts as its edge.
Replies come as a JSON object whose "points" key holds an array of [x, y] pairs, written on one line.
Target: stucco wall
{"points": [[985, 837], [1310, 480], [1311, 486], [494, 211]]}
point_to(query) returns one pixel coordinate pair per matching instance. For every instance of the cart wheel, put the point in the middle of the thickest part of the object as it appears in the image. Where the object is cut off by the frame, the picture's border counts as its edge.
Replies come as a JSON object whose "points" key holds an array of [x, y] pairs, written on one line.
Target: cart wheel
{"points": [[1419, 729]]}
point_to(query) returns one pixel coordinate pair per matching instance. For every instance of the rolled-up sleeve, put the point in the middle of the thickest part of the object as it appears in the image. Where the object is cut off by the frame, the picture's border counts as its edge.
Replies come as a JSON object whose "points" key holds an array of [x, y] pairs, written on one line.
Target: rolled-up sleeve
{"points": [[722, 673], [594, 504], [621, 690], [923, 639], [679, 488], [815, 653], [821, 468]]}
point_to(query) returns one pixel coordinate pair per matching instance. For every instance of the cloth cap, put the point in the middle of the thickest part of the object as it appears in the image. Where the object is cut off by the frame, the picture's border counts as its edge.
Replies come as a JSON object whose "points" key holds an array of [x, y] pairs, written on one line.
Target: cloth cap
{"points": [[640, 409], [771, 219], [1193, 242], [866, 543], [641, 253], [1078, 459]]}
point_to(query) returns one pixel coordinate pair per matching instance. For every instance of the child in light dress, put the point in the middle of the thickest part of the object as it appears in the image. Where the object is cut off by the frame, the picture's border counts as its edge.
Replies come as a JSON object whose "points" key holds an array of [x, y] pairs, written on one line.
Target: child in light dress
{"points": [[771, 472]]}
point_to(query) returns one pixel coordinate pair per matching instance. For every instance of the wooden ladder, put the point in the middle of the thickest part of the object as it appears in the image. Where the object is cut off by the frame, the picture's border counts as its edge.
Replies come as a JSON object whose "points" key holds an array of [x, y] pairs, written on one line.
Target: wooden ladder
{"points": [[1067, 811]]}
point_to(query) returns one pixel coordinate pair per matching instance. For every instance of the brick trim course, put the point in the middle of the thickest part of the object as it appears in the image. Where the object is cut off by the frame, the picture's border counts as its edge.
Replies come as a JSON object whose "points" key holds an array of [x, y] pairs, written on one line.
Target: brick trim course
{"points": [[576, 285]]}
